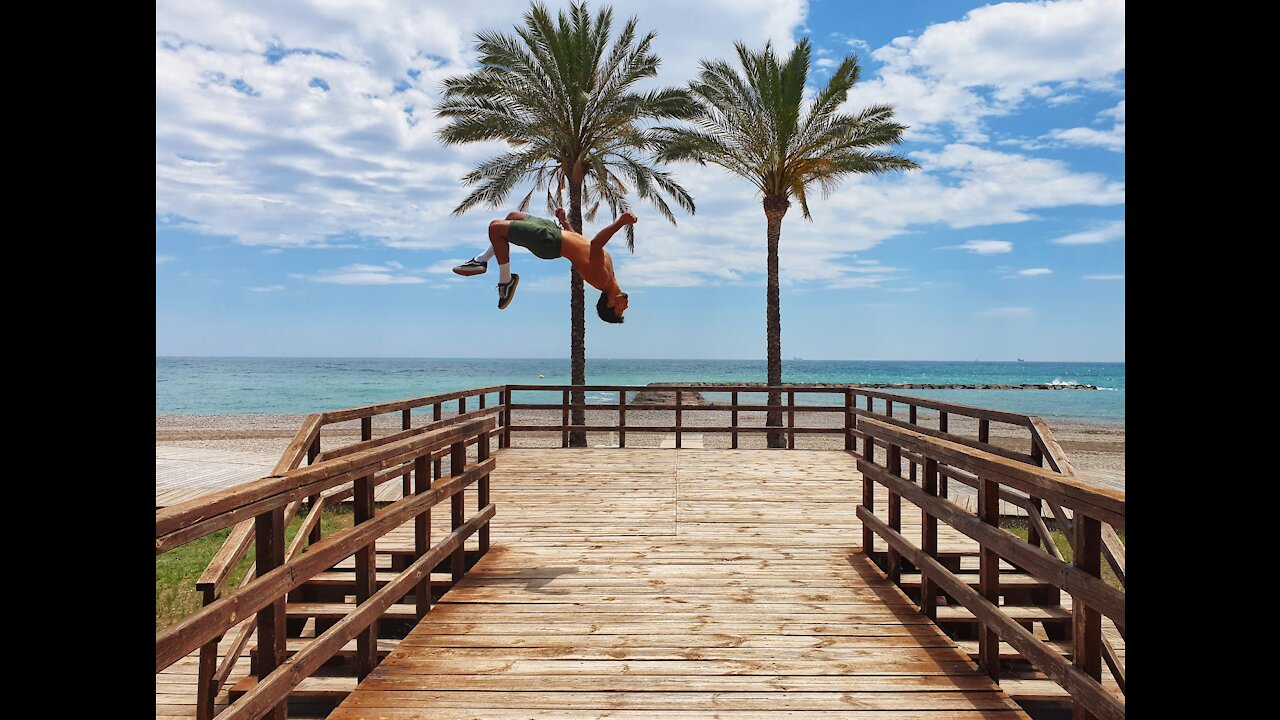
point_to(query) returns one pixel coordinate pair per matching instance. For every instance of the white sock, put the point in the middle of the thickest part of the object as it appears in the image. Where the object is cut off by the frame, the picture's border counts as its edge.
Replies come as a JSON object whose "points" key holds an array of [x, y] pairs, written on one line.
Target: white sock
{"points": [[485, 256], [506, 273]]}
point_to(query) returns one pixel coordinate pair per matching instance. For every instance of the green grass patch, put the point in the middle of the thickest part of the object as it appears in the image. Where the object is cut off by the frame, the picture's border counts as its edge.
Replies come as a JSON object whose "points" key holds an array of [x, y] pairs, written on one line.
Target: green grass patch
{"points": [[1020, 527], [178, 569]]}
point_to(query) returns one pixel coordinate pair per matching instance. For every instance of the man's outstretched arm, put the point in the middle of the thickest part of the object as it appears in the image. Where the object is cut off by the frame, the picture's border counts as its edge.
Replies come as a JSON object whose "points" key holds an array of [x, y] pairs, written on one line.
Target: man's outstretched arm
{"points": [[602, 238]]}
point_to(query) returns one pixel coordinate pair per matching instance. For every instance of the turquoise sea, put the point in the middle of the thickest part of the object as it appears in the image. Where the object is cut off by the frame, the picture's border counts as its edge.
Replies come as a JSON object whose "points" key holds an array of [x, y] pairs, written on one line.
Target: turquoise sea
{"points": [[305, 385]]}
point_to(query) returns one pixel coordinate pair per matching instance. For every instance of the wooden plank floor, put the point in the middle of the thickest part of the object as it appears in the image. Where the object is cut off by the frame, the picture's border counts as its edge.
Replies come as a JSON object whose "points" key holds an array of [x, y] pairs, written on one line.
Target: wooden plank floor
{"points": [[647, 583], [184, 473]]}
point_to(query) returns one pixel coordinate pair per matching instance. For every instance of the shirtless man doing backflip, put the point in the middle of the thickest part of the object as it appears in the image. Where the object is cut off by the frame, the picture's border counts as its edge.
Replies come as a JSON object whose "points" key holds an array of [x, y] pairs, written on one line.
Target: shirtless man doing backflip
{"points": [[543, 238]]}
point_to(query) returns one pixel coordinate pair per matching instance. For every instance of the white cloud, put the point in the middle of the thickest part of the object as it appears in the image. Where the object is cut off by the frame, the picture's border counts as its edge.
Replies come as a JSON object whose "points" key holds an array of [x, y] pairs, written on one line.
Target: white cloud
{"points": [[290, 163], [162, 259], [1032, 272], [266, 288], [1111, 139], [364, 274], [1111, 276], [296, 165], [1104, 233], [1005, 312], [1063, 99], [987, 63], [984, 247]]}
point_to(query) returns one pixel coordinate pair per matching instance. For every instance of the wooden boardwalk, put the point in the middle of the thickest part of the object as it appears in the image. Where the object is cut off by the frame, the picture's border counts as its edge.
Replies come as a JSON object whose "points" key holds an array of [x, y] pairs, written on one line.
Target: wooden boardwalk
{"points": [[646, 583], [184, 473]]}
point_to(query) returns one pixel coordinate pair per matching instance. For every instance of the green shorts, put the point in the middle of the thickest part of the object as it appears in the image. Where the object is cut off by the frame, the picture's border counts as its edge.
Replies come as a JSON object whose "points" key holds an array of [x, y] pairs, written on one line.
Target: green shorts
{"points": [[540, 235]]}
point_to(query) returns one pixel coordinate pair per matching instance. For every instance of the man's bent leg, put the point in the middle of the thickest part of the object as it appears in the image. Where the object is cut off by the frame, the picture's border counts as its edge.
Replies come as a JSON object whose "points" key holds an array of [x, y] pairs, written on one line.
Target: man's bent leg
{"points": [[498, 247]]}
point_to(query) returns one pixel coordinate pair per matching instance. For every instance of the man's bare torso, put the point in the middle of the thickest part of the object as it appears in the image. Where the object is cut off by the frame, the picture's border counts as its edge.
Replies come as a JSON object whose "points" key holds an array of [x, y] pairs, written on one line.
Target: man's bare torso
{"points": [[595, 268]]}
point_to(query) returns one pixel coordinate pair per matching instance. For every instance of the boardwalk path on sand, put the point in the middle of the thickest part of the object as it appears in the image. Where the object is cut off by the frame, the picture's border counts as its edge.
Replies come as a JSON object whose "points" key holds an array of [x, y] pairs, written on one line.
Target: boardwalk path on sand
{"points": [[645, 583]]}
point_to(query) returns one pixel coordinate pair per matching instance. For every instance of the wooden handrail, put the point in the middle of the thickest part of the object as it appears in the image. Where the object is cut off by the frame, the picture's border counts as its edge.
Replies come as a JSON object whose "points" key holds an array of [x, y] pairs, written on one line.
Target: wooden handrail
{"points": [[1097, 502], [943, 406], [387, 439], [365, 411], [260, 601], [212, 620], [211, 512], [988, 472], [1112, 549], [276, 686], [1083, 689]]}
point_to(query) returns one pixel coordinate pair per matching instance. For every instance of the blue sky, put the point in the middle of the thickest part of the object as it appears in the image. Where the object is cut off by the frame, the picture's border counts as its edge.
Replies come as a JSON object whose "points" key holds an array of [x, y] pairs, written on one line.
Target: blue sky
{"points": [[303, 200]]}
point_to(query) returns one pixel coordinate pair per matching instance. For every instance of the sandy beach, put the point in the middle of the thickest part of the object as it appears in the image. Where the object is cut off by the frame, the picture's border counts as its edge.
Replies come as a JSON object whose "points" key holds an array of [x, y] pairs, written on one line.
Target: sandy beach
{"points": [[1097, 450]]}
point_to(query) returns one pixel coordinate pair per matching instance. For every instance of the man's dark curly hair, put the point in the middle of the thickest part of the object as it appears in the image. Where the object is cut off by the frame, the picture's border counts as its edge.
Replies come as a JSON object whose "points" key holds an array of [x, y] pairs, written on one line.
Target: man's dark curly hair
{"points": [[605, 312]]}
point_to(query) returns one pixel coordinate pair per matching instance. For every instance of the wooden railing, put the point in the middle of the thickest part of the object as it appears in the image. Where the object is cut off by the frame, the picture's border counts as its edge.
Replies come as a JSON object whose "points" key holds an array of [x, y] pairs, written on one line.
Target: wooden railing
{"points": [[997, 477], [306, 446], [853, 404], [859, 413], [266, 502]]}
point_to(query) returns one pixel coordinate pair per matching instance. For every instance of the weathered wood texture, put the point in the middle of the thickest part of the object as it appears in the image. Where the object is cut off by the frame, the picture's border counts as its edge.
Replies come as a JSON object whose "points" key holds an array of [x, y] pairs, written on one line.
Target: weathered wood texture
{"points": [[640, 583], [1091, 599]]}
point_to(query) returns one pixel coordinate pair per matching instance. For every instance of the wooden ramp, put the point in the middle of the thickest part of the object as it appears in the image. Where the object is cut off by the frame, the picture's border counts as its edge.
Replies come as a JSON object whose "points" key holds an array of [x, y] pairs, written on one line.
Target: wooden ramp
{"points": [[646, 583]]}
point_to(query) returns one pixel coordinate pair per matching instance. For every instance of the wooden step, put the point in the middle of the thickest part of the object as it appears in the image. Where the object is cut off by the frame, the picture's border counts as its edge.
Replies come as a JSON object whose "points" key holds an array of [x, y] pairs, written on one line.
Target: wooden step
{"points": [[337, 611], [1007, 580], [1007, 651], [1048, 691], [316, 690], [346, 652], [1027, 613]]}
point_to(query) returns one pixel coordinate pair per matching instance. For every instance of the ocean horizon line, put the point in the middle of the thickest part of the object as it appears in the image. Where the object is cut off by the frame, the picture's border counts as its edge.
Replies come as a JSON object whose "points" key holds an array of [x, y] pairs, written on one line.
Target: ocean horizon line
{"points": [[675, 359]]}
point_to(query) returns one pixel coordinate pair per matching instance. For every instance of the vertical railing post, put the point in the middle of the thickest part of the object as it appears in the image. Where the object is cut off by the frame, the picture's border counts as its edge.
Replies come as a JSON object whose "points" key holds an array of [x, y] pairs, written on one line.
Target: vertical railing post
{"points": [[482, 490], [791, 419], [1033, 535], [911, 418], [622, 418], [481, 398], [1036, 505], [206, 686], [870, 405], [893, 462], [984, 430], [506, 418], [406, 422], [422, 532], [989, 576], [929, 542], [1086, 622], [269, 549], [888, 408], [366, 578], [564, 420], [868, 497], [437, 413], [733, 420], [312, 502], [849, 445], [457, 463], [366, 428], [942, 481], [679, 416], [462, 405]]}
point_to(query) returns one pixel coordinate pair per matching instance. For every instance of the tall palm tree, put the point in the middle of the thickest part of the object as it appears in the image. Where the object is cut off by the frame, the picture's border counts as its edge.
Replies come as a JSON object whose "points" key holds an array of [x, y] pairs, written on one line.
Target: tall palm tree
{"points": [[563, 100], [754, 125]]}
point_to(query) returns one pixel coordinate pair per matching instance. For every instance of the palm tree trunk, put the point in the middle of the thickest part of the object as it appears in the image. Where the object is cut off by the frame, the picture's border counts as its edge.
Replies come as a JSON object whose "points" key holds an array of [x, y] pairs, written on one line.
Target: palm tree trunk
{"points": [[578, 322], [774, 210]]}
